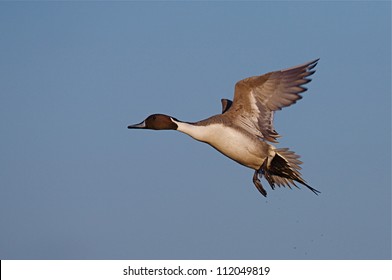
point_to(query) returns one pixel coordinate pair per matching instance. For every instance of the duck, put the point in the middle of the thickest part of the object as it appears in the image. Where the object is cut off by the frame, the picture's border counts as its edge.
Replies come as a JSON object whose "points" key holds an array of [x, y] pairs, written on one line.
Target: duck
{"points": [[244, 130]]}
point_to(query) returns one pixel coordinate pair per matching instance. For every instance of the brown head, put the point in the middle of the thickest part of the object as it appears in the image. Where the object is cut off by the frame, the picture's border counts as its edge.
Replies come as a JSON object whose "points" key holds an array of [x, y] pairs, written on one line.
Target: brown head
{"points": [[157, 122]]}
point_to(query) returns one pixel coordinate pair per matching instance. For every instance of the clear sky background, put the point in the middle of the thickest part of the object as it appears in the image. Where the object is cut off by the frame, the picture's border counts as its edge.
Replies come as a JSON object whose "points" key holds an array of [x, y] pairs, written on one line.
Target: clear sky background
{"points": [[75, 183]]}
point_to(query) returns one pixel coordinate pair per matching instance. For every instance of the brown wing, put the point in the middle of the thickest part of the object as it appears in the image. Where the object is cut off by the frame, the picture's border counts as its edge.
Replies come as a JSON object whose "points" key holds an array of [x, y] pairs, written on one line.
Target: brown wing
{"points": [[226, 104], [256, 98]]}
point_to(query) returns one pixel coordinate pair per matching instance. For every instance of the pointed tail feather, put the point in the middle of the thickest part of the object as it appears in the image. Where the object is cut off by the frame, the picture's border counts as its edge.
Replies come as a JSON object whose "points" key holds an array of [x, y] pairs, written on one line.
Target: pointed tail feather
{"points": [[283, 170]]}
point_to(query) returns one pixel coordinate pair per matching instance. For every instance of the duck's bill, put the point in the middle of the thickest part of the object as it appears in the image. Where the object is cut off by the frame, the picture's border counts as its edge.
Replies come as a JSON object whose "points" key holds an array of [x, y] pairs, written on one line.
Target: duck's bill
{"points": [[139, 125]]}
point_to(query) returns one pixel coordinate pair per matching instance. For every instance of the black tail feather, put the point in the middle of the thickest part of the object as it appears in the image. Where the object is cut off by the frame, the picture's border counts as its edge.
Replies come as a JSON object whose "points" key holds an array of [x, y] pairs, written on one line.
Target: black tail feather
{"points": [[283, 170]]}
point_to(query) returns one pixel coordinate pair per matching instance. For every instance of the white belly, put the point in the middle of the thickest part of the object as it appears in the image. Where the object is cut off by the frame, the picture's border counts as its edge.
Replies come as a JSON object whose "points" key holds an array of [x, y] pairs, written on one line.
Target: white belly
{"points": [[240, 147]]}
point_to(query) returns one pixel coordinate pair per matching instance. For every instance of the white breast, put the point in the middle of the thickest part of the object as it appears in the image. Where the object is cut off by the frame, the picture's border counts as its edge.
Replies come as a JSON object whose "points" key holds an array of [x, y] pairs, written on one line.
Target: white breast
{"points": [[241, 147]]}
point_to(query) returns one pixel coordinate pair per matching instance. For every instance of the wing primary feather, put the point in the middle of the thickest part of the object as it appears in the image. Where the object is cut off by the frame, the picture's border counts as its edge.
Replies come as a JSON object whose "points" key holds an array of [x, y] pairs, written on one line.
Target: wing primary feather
{"points": [[257, 98]]}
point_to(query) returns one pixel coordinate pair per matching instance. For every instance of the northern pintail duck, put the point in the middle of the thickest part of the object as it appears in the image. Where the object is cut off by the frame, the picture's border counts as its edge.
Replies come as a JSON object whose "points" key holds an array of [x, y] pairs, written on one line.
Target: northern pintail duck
{"points": [[244, 130]]}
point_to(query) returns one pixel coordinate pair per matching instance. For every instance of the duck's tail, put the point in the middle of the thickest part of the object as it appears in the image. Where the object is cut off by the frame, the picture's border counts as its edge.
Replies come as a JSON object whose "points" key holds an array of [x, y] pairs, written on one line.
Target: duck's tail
{"points": [[283, 170]]}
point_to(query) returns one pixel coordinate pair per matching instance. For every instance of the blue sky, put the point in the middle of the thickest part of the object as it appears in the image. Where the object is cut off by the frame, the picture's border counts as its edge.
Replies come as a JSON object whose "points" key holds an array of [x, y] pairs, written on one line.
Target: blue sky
{"points": [[77, 184]]}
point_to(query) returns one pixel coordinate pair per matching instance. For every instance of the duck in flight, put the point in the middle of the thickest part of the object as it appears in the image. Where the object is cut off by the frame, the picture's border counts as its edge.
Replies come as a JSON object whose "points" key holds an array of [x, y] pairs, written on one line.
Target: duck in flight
{"points": [[244, 130]]}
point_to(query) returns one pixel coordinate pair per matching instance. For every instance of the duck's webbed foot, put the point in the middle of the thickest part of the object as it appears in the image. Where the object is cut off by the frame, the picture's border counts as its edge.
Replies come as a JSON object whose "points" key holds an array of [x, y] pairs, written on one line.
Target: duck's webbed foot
{"points": [[257, 183]]}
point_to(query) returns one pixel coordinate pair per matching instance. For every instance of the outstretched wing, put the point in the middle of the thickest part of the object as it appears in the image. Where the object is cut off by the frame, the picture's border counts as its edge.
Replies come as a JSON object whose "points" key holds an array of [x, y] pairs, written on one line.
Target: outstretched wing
{"points": [[256, 98]]}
